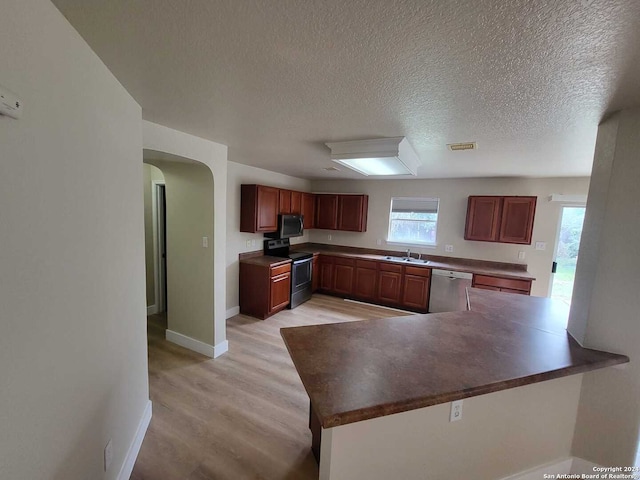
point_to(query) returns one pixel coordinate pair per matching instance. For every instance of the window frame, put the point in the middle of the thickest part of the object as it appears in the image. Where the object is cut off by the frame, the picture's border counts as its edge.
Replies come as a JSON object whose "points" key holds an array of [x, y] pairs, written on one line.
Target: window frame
{"points": [[414, 243]]}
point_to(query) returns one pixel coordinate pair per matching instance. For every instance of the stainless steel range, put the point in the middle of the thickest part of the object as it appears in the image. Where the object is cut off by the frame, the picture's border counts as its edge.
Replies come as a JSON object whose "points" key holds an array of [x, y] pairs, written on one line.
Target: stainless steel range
{"points": [[301, 269]]}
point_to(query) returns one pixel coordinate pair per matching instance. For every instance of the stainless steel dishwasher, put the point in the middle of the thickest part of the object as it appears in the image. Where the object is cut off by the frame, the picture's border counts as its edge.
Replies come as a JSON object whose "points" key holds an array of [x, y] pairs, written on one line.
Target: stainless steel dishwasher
{"points": [[448, 291]]}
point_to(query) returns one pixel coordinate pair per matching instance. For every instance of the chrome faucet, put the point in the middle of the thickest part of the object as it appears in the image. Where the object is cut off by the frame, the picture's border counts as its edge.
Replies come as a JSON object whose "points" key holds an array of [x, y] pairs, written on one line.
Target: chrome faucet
{"points": [[408, 253], [419, 256]]}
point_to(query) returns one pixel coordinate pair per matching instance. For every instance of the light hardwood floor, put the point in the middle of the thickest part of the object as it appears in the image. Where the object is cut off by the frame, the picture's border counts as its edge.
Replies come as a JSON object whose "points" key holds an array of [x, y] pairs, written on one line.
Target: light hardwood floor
{"points": [[243, 415]]}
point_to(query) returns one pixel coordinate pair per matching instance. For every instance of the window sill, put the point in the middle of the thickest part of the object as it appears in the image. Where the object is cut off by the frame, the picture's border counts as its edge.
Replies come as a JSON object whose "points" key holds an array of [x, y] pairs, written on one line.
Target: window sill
{"points": [[412, 244]]}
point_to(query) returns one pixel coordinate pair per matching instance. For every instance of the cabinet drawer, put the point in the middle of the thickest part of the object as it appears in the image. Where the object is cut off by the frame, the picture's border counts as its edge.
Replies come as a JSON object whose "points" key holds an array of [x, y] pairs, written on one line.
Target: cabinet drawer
{"points": [[349, 262], [510, 283], [280, 269], [367, 264], [389, 267], [417, 271]]}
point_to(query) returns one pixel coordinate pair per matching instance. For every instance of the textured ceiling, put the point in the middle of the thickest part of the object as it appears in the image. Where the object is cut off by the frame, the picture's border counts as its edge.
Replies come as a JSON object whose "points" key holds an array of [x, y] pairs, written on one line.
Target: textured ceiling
{"points": [[529, 81]]}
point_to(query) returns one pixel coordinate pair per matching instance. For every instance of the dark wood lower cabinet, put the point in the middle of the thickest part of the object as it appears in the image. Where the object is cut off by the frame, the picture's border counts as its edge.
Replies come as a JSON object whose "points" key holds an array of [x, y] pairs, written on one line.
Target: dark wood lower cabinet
{"points": [[280, 292], [264, 289], [416, 292], [509, 285], [389, 287], [325, 274], [366, 283], [382, 283], [344, 275]]}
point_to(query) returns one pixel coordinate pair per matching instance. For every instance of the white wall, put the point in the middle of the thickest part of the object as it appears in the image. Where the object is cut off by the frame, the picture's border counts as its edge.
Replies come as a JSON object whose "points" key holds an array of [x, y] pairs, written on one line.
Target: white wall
{"points": [[453, 194], [189, 213], [73, 356], [159, 139], [606, 303], [500, 434], [237, 174]]}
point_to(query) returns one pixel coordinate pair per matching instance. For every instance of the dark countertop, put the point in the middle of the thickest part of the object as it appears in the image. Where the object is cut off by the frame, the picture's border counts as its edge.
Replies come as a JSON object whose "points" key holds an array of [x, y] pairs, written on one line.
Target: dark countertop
{"points": [[479, 267], [265, 260], [361, 370]]}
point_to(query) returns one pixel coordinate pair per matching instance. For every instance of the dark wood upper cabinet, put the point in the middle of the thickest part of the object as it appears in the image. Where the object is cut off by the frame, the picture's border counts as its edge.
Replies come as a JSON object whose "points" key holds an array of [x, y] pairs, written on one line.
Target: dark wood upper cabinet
{"points": [[500, 219], [483, 218], [342, 212], [517, 220], [309, 210], [296, 203], [259, 206], [285, 202], [327, 212], [352, 212]]}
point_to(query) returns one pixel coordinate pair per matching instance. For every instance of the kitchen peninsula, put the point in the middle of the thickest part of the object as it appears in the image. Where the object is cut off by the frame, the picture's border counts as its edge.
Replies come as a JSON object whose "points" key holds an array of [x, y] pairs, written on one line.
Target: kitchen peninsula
{"points": [[379, 389]]}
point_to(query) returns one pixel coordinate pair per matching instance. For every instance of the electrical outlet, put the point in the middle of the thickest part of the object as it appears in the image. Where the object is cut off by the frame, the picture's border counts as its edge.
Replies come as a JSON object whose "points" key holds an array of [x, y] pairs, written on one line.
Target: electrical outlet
{"points": [[248, 243], [379, 242], [448, 248], [521, 255], [108, 455], [253, 243], [456, 411], [205, 242], [541, 245], [329, 237]]}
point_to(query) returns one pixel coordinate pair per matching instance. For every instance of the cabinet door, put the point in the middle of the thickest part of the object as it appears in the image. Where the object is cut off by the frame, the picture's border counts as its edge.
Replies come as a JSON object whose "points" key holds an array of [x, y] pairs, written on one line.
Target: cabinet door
{"points": [[267, 209], [326, 275], [343, 279], [280, 291], [285, 201], [415, 294], [483, 218], [327, 211], [309, 210], [366, 283], [389, 287], [296, 203], [517, 220], [352, 212]]}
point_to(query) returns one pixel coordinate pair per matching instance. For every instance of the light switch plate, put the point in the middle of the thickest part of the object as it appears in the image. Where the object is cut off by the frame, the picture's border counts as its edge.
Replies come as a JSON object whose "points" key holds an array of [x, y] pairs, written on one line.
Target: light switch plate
{"points": [[541, 245], [521, 255], [448, 248]]}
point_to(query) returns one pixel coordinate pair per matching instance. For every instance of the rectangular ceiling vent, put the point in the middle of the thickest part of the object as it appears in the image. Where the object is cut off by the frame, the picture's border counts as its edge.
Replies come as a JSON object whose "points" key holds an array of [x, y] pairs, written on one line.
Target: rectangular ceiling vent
{"points": [[456, 147], [332, 169]]}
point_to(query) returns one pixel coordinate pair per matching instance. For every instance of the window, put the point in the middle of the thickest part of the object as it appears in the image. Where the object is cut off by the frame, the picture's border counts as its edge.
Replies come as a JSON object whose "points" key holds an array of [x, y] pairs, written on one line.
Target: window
{"points": [[413, 220]]}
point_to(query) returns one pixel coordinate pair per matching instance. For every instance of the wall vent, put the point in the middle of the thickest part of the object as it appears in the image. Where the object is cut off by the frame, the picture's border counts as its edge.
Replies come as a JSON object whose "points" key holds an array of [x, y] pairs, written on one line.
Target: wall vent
{"points": [[332, 169], [455, 147]]}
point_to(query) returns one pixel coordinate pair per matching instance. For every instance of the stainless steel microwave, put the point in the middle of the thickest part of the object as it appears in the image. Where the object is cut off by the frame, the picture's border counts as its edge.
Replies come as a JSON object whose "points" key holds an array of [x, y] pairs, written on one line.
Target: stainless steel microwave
{"points": [[288, 226]]}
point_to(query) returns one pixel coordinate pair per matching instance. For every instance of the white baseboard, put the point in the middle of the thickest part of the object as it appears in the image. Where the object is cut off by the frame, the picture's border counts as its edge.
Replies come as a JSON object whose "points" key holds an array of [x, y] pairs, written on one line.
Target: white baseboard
{"points": [[581, 466], [190, 343], [134, 448], [219, 349], [565, 466], [152, 309], [232, 312]]}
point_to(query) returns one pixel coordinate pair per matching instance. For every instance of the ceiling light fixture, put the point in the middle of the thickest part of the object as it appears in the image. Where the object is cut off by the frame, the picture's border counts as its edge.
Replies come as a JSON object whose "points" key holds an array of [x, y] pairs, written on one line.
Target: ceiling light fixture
{"points": [[377, 157]]}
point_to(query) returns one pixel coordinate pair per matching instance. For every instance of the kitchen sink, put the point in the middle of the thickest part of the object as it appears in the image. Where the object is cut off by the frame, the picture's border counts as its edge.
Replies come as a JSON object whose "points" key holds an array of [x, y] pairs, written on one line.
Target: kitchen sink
{"points": [[408, 260]]}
